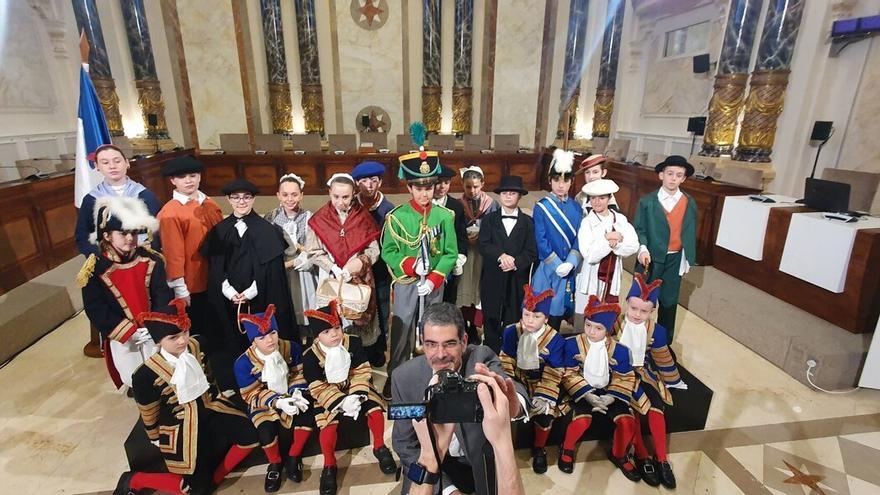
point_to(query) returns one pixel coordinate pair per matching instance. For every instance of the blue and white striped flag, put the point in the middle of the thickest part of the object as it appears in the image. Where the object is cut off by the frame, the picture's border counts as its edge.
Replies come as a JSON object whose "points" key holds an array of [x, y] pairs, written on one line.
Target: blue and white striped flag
{"points": [[91, 132]]}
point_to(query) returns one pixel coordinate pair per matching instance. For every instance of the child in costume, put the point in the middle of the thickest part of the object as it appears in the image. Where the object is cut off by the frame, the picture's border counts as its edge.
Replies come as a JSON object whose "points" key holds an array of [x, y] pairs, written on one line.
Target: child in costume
{"points": [[557, 219], [666, 221], [419, 246], [532, 353], [341, 383], [594, 168], [655, 373], [302, 276], [507, 242], [599, 378], [271, 382], [604, 239], [200, 433], [124, 279], [442, 198], [477, 204], [184, 222]]}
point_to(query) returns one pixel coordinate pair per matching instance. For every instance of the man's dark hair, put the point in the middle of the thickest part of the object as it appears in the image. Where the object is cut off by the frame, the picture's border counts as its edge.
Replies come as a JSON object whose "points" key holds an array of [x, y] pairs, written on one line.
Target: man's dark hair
{"points": [[443, 314]]}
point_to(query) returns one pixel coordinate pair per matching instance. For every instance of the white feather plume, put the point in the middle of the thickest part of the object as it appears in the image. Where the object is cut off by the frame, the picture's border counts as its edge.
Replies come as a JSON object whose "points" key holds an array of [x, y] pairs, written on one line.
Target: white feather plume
{"points": [[131, 212], [563, 161]]}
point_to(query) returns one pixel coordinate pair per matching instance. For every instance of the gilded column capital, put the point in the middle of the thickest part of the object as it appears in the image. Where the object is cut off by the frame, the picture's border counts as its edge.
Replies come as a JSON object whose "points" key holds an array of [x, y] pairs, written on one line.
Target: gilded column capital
{"points": [[279, 103], [724, 110], [313, 107], [603, 107], [462, 110], [150, 103], [431, 108], [106, 89], [762, 109]]}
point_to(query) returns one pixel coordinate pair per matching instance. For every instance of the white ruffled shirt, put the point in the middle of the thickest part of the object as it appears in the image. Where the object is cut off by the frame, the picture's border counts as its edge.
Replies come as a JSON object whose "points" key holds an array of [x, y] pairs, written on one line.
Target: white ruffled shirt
{"points": [[596, 364], [337, 363], [189, 380], [635, 338], [527, 349], [274, 372]]}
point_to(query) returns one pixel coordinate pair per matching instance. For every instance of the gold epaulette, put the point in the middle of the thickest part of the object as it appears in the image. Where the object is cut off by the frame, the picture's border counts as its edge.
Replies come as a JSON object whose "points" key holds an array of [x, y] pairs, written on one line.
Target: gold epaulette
{"points": [[85, 273]]}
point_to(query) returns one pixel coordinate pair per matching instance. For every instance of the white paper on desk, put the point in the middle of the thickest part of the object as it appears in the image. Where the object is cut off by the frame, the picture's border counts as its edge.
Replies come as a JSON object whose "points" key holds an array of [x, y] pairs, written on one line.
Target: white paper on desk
{"points": [[817, 250], [744, 224]]}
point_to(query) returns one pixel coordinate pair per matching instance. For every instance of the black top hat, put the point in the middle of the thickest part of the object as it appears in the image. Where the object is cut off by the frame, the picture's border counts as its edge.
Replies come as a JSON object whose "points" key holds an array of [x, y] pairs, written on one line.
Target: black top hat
{"points": [[182, 165], [240, 185], [511, 183], [675, 161]]}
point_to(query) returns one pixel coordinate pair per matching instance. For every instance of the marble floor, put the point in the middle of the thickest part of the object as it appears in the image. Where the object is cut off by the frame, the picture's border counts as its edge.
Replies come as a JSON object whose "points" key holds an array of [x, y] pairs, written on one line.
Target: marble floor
{"points": [[62, 427]]}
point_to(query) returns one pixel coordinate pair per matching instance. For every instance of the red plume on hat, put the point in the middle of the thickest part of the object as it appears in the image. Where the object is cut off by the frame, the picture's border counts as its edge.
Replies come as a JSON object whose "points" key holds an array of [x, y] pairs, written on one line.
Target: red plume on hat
{"points": [[645, 291], [330, 316], [180, 320], [258, 323], [601, 312], [537, 302]]}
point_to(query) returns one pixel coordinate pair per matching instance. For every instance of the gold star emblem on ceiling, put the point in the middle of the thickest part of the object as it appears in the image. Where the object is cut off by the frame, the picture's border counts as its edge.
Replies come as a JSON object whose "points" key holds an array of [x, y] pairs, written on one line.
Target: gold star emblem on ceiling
{"points": [[800, 478], [369, 12]]}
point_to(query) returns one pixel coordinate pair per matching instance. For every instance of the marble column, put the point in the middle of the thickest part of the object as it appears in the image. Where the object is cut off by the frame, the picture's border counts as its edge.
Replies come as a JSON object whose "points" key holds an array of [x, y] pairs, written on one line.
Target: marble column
{"points": [[730, 81], [603, 107], [145, 79], [310, 72], [769, 80], [431, 65], [573, 66], [87, 20], [276, 63], [462, 90]]}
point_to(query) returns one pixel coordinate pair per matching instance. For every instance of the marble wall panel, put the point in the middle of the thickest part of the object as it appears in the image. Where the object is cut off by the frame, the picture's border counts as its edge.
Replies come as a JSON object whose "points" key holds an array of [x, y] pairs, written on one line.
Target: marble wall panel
{"points": [[371, 64], [208, 33], [861, 148], [517, 68], [28, 88], [671, 88]]}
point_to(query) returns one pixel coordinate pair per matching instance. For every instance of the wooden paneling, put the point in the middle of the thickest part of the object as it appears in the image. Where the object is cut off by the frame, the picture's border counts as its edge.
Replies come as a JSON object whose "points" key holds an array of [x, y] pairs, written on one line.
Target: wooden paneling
{"points": [[855, 309]]}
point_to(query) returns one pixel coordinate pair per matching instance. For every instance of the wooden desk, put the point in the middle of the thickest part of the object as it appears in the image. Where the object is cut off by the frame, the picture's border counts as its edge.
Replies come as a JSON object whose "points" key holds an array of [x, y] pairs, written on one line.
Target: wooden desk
{"points": [[855, 309], [636, 182]]}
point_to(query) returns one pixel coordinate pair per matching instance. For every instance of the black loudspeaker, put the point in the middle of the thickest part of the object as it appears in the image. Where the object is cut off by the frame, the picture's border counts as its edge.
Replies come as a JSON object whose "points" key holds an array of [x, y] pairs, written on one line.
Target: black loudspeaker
{"points": [[152, 119], [365, 121], [821, 130], [697, 125], [701, 63]]}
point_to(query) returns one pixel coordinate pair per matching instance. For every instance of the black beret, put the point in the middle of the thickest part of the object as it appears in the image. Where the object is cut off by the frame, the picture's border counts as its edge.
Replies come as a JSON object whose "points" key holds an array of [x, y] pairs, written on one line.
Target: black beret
{"points": [[182, 165], [240, 185]]}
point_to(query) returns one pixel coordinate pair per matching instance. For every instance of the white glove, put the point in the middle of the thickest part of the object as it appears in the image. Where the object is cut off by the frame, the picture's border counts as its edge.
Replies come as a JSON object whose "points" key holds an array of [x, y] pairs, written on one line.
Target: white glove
{"points": [[301, 263], [606, 400], [564, 269], [596, 402], [425, 288], [301, 402], [681, 385], [287, 405], [336, 271], [346, 276], [351, 406], [458, 269], [140, 337], [422, 269], [542, 405]]}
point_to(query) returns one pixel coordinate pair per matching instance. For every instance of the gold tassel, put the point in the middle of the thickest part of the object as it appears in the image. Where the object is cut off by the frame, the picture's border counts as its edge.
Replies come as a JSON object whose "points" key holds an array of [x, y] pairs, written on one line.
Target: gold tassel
{"points": [[85, 273]]}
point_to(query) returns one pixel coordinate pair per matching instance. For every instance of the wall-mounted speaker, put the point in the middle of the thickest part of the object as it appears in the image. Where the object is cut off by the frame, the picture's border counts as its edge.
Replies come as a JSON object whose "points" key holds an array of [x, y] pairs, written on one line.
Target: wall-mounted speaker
{"points": [[697, 125], [821, 130], [701, 63]]}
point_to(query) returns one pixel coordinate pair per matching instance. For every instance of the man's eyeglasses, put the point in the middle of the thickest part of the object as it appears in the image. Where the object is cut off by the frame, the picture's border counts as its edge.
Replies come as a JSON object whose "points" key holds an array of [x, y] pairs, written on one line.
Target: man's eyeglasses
{"points": [[241, 199], [447, 346]]}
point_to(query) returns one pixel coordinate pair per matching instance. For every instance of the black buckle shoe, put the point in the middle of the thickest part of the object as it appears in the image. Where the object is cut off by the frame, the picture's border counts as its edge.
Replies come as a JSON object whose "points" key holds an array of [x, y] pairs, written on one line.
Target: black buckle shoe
{"points": [[294, 469], [386, 460], [566, 466], [328, 481], [273, 478], [631, 472], [539, 460], [648, 471], [667, 477], [123, 486]]}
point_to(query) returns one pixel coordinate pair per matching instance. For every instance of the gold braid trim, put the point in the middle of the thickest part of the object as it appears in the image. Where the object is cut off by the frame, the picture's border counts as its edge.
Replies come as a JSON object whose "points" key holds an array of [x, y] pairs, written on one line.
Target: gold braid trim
{"points": [[85, 273], [414, 243], [150, 250]]}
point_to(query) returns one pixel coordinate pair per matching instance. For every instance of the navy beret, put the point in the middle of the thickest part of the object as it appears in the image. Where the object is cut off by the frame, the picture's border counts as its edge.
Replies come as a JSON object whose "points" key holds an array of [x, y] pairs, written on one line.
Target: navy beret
{"points": [[367, 169]]}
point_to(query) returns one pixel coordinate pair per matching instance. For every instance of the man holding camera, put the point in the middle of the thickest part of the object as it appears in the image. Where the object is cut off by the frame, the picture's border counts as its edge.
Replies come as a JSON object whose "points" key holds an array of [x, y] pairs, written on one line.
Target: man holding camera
{"points": [[464, 467]]}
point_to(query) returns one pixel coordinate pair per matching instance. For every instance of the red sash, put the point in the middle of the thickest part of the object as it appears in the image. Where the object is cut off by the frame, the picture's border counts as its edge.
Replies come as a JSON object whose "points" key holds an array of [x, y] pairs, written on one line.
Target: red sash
{"points": [[343, 241]]}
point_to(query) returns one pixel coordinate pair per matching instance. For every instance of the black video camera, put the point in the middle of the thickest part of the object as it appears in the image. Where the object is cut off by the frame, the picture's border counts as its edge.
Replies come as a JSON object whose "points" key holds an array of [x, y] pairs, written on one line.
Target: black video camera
{"points": [[453, 399]]}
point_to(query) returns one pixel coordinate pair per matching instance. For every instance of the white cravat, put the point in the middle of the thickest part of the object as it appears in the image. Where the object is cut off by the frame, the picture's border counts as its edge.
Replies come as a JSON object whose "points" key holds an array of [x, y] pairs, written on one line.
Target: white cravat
{"points": [[188, 379], [527, 350], [337, 362], [240, 226], [635, 337], [596, 364], [275, 371]]}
